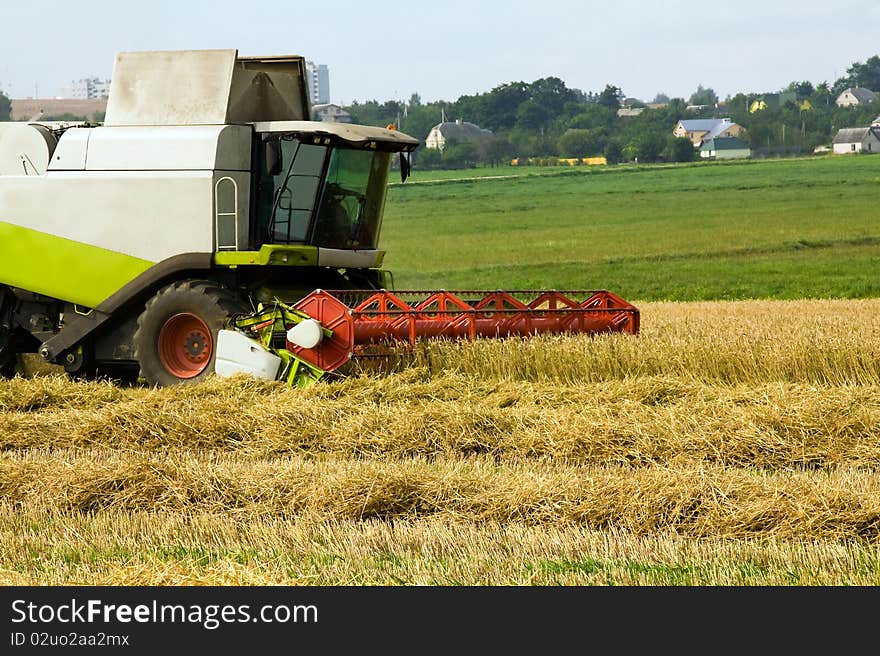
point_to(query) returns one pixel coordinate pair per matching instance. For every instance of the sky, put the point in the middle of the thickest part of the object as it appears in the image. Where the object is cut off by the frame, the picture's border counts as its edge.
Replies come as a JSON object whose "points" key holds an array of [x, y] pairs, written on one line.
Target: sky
{"points": [[443, 50]]}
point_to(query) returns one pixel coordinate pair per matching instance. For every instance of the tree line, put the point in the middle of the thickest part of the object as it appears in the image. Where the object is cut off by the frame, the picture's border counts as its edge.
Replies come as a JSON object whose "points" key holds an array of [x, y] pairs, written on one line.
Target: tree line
{"points": [[545, 118]]}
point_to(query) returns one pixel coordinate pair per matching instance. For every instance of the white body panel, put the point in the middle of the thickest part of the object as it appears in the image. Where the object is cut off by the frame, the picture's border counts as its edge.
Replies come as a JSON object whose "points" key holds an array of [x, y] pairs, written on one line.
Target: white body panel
{"points": [[239, 354], [151, 215], [179, 148], [70, 155], [151, 193]]}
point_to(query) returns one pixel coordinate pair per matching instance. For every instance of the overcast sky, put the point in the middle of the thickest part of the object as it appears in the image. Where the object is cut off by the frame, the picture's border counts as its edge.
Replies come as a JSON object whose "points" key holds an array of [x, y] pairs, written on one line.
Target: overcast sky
{"points": [[443, 50]]}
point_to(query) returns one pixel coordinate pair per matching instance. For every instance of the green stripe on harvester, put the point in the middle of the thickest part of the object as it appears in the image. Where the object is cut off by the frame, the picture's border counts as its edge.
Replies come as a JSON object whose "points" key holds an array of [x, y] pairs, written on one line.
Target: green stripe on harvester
{"points": [[63, 268]]}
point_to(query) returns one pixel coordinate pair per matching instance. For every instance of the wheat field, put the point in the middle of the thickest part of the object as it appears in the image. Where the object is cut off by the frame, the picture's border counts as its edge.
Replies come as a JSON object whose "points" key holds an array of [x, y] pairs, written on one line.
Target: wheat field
{"points": [[730, 443]]}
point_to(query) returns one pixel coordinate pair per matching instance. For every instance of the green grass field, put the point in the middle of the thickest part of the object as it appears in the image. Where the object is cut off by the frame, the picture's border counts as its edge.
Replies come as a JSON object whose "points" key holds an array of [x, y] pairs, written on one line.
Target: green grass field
{"points": [[785, 229]]}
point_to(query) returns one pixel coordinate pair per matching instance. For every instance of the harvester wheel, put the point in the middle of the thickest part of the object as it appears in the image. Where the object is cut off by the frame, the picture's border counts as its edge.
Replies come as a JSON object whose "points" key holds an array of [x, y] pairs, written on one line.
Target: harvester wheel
{"points": [[177, 331], [8, 354]]}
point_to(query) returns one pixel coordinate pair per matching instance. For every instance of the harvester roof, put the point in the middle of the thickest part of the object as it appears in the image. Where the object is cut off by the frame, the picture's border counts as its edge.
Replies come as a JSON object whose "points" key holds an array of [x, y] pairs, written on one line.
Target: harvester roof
{"points": [[357, 136]]}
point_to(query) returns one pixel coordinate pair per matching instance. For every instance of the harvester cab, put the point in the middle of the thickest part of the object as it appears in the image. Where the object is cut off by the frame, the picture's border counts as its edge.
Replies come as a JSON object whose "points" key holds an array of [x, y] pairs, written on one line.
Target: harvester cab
{"points": [[199, 228]]}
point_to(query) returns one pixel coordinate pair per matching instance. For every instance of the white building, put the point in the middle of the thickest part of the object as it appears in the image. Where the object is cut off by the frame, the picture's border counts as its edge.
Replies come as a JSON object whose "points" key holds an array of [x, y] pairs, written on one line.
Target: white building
{"points": [[319, 82], [855, 96], [857, 140], [91, 88], [458, 131], [330, 113]]}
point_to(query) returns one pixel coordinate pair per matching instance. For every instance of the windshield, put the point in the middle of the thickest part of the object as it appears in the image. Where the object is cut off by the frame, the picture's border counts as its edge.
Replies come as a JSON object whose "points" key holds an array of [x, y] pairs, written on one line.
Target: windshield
{"points": [[287, 200], [337, 206], [353, 200]]}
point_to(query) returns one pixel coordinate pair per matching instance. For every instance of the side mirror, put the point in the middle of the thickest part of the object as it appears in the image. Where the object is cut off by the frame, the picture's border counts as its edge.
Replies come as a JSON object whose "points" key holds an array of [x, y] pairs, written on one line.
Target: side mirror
{"points": [[405, 166], [272, 157]]}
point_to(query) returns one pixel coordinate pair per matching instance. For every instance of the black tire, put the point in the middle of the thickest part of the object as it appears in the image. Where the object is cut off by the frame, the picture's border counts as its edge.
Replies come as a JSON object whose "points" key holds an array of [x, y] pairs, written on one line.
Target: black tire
{"points": [[170, 343], [8, 353], [8, 341]]}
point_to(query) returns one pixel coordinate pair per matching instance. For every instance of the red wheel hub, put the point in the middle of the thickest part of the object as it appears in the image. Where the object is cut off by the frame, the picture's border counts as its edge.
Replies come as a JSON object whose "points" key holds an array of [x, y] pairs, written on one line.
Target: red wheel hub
{"points": [[185, 345]]}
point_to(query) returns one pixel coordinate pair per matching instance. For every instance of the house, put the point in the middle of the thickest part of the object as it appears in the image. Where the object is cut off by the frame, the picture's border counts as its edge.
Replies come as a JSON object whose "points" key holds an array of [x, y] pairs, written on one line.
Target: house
{"points": [[699, 130], [629, 111], [876, 122], [855, 96], [856, 140], [774, 100], [330, 113], [458, 131], [725, 148]]}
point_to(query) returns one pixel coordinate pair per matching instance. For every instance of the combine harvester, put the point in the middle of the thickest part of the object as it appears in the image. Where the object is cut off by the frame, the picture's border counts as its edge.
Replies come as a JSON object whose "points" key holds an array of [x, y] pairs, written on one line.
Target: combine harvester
{"points": [[208, 226]]}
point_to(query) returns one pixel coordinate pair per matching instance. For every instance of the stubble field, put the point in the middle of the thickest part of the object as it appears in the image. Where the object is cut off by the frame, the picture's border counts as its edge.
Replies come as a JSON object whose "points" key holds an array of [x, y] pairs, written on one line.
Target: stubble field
{"points": [[731, 443]]}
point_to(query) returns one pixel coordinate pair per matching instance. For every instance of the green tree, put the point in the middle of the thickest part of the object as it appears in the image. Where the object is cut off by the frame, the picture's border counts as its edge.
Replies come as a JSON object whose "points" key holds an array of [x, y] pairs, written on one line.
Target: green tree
{"points": [[372, 113], [613, 151], [460, 155], [802, 89], [865, 75], [426, 159], [531, 115], [581, 143], [822, 96], [495, 151], [496, 109], [551, 94], [679, 149], [5, 107], [645, 147], [593, 116], [703, 96], [610, 97]]}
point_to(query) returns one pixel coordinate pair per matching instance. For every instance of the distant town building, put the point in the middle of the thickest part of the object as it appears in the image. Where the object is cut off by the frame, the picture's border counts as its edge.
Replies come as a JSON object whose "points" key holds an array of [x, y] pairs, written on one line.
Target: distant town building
{"points": [[318, 76], [855, 96], [330, 113], [856, 140], [458, 131], [91, 88]]}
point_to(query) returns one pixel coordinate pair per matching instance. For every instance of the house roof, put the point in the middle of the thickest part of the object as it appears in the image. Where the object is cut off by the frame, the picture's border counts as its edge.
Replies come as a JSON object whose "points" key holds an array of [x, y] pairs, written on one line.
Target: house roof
{"points": [[854, 135], [704, 124], [718, 129], [861, 93], [725, 143], [461, 131]]}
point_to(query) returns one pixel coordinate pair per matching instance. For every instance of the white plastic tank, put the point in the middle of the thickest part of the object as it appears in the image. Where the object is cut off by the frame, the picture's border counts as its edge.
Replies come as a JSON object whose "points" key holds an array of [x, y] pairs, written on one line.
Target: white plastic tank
{"points": [[25, 148]]}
